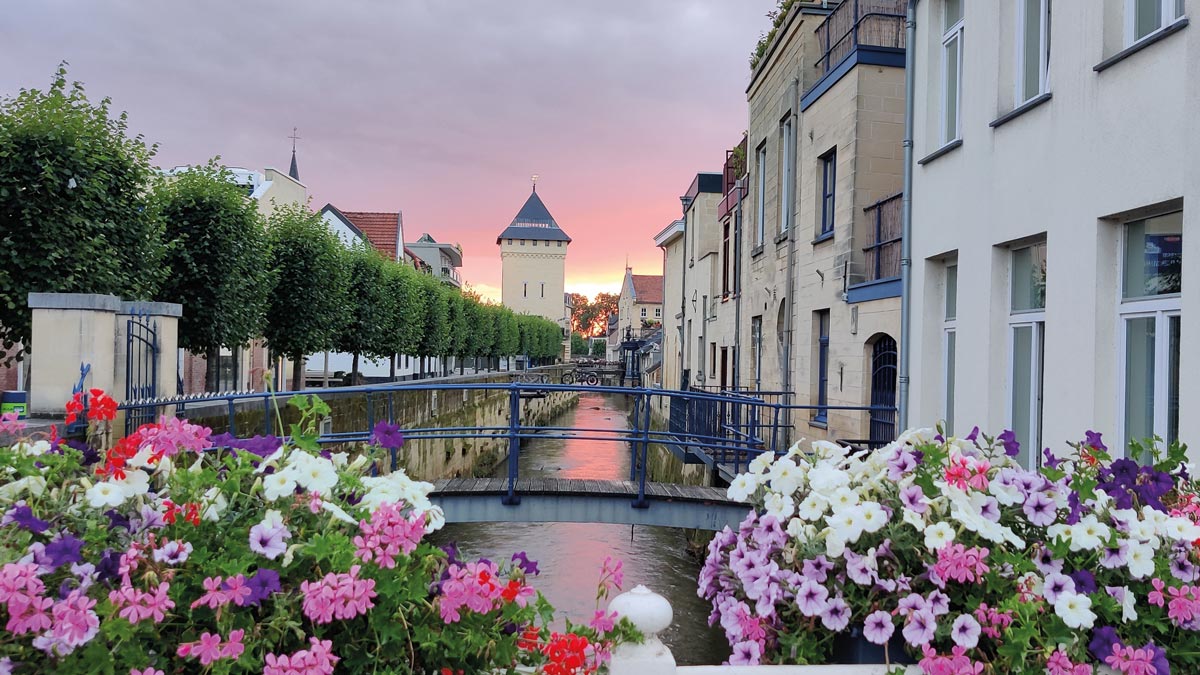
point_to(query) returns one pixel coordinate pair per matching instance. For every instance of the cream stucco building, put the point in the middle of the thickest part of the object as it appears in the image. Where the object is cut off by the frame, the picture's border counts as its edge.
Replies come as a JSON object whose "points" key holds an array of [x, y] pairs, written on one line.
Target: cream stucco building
{"points": [[819, 249], [1052, 204], [639, 307]]}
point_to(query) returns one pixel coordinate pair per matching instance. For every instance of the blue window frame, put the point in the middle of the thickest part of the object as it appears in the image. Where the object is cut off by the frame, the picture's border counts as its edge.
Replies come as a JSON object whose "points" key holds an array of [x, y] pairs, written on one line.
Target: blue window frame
{"points": [[822, 366], [828, 190]]}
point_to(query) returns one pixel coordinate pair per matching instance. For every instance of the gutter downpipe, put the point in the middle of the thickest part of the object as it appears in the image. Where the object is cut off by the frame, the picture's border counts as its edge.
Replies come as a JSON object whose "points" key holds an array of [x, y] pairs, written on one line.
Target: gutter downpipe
{"points": [[910, 77], [684, 382], [794, 152]]}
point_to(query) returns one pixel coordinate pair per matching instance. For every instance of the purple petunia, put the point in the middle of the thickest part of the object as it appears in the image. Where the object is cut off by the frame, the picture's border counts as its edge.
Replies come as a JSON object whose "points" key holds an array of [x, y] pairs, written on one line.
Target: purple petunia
{"points": [[269, 540], [817, 568], [1008, 439], [965, 631], [173, 553], [22, 516], [1085, 581], [920, 628], [64, 549], [913, 498], [387, 435], [262, 585], [1112, 558], [528, 566], [1103, 639], [878, 628], [1050, 459], [1040, 509], [745, 653], [836, 615], [811, 598], [1057, 584], [973, 435], [1092, 439]]}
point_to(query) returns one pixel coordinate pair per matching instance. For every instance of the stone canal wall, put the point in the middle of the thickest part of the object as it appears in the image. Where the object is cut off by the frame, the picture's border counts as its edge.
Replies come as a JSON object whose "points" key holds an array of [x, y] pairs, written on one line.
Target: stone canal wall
{"points": [[665, 467], [422, 459]]}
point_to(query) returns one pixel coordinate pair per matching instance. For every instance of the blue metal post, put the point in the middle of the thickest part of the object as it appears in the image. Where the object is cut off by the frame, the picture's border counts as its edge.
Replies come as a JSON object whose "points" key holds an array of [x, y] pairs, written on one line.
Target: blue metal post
{"points": [[370, 412], [633, 453], [641, 502], [266, 416], [514, 444], [232, 423]]}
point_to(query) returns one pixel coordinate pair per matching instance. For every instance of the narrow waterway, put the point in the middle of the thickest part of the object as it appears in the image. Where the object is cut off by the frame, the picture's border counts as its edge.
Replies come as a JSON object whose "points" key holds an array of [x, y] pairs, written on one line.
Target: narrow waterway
{"points": [[570, 554]]}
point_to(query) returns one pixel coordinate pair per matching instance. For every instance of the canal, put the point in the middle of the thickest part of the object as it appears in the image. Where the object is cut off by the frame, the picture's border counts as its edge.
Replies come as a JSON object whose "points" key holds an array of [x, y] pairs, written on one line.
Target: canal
{"points": [[570, 554]]}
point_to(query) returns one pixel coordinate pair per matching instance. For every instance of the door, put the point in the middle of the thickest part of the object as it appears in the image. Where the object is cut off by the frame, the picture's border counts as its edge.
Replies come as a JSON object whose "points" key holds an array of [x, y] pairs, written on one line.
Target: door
{"points": [[883, 391]]}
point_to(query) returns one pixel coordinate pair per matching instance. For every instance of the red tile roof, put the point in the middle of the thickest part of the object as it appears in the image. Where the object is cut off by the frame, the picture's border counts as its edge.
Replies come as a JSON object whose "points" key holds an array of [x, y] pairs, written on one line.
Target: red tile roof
{"points": [[382, 229], [647, 288]]}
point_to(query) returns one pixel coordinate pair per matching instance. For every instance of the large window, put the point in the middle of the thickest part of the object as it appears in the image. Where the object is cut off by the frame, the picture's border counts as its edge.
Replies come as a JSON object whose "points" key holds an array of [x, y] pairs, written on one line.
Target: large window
{"points": [[828, 190], [952, 71], [1152, 279], [786, 174], [761, 216], [1027, 327], [821, 319], [1144, 17], [949, 340], [1033, 48], [725, 262]]}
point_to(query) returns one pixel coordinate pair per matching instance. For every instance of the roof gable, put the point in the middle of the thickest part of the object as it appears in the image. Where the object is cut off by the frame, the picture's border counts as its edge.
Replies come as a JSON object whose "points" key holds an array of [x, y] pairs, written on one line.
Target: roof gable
{"points": [[382, 229], [534, 221], [647, 288]]}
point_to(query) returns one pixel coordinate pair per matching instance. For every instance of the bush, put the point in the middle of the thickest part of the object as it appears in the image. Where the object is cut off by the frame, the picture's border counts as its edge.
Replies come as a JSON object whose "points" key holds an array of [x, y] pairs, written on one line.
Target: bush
{"points": [[949, 548]]}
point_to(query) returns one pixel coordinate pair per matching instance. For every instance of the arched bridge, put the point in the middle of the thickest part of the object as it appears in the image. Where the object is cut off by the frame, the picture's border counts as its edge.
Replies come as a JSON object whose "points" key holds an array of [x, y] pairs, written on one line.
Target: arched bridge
{"points": [[722, 430]]}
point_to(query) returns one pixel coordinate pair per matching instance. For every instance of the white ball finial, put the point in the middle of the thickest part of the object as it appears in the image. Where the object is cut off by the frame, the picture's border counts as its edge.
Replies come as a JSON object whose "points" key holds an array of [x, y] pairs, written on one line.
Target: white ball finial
{"points": [[651, 614]]}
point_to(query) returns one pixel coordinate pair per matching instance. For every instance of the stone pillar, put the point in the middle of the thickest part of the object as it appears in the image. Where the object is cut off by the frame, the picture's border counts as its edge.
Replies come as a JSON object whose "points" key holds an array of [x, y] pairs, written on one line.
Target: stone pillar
{"points": [[69, 329], [163, 318], [651, 614]]}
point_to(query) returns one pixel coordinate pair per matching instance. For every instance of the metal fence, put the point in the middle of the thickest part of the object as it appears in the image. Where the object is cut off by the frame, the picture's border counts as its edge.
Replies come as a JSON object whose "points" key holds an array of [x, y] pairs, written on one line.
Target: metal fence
{"points": [[876, 23], [882, 252]]}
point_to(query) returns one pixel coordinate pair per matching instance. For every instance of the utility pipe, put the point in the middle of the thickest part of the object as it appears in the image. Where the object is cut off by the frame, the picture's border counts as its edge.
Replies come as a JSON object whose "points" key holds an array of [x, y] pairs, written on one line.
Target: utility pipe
{"points": [[910, 78]]}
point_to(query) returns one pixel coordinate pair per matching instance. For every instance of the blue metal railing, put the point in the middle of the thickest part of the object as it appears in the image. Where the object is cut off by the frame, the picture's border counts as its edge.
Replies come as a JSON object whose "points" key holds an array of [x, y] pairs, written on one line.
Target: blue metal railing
{"points": [[725, 430]]}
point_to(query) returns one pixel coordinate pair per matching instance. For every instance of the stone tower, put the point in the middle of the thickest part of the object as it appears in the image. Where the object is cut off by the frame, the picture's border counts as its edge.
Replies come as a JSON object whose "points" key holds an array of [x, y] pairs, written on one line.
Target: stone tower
{"points": [[533, 257]]}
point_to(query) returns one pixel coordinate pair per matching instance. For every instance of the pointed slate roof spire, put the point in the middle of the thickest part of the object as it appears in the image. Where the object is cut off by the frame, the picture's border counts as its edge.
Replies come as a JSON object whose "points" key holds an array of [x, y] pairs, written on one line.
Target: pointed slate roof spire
{"points": [[293, 171], [534, 221]]}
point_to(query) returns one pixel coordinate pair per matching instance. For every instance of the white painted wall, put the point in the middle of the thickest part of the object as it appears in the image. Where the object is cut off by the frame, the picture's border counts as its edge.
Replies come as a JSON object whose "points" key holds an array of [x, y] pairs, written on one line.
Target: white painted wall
{"points": [[1107, 144]]}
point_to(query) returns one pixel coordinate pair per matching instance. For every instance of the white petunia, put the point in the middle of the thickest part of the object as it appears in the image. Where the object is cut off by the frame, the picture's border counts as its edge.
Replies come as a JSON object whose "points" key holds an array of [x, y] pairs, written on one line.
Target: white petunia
{"points": [[1007, 495], [434, 519], [1140, 560], [339, 459], [826, 478], [214, 503], [315, 474], [105, 495], [32, 449], [1075, 609], [741, 487], [337, 511], [847, 523], [135, 483], [278, 485], [1181, 529], [811, 508], [784, 476], [779, 505], [915, 519], [843, 497], [938, 535], [872, 516], [761, 463], [1088, 534]]}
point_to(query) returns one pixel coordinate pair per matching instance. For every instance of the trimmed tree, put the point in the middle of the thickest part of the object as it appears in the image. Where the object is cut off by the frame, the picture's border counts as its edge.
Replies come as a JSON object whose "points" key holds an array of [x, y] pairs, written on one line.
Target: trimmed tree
{"points": [[406, 321], [369, 306], [218, 260], [306, 306], [73, 197], [598, 349], [578, 345], [435, 335]]}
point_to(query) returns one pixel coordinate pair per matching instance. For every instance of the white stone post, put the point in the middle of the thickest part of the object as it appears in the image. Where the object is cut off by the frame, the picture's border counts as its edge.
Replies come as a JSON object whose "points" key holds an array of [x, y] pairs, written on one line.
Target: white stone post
{"points": [[70, 329], [651, 614]]}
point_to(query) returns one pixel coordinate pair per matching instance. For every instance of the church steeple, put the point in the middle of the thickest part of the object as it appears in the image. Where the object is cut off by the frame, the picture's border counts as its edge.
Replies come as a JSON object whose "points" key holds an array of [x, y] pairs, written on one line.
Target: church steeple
{"points": [[293, 171]]}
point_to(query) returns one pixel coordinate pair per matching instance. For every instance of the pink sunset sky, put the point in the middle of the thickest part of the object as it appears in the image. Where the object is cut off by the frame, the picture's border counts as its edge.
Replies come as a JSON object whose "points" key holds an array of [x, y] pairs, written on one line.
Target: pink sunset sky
{"points": [[440, 109]]}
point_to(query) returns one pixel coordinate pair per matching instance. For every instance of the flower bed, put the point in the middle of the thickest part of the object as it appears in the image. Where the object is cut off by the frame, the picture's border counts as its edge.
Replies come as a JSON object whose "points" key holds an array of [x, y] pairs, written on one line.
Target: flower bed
{"points": [[167, 553], [947, 549]]}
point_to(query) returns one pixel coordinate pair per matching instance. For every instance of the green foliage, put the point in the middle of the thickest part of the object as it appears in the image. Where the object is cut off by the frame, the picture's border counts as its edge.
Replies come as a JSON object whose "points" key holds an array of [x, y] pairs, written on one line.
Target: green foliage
{"points": [[591, 318], [306, 307], [217, 256], [764, 41], [369, 310], [579, 346], [73, 197], [435, 336], [406, 323], [598, 349]]}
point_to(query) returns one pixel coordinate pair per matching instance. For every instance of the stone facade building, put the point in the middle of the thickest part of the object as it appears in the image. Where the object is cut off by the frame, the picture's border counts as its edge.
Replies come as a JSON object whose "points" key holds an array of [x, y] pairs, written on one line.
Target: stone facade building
{"points": [[640, 307], [533, 258], [1052, 204]]}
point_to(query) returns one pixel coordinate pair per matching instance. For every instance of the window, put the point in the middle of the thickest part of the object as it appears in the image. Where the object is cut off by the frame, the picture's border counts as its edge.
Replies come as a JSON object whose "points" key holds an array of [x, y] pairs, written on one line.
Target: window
{"points": [[756, 348], [1143, 17], [524, 289], [533, 242], [949, 339], [522, 242], [828, 190], [952, 52], [821, 319], [725, 260], [510, 242], [559, 244], [643, 312], [1151, 313], [712, 359], [760, 226], [785, 175], [1026, 342], [1033, 48], [543, 289], [658, 312]]}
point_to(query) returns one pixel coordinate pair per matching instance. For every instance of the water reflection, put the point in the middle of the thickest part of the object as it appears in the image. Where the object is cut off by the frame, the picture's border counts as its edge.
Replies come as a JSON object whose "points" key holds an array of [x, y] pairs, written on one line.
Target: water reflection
{"points": [[570, 554]]}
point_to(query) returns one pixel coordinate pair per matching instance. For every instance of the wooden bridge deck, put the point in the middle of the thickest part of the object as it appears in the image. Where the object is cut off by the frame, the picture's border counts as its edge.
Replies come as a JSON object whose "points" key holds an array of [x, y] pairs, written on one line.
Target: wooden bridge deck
{"points": [[587, 501]]}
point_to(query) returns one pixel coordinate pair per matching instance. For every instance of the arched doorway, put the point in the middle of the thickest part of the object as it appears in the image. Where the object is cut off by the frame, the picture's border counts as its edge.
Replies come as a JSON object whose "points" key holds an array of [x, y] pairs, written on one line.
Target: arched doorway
{"points": [[883, 390]]}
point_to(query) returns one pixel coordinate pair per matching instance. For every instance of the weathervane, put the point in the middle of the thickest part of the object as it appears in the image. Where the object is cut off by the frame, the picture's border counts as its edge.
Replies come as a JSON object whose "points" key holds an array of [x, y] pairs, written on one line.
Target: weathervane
{"points": [[534, 178], [294, 138]]}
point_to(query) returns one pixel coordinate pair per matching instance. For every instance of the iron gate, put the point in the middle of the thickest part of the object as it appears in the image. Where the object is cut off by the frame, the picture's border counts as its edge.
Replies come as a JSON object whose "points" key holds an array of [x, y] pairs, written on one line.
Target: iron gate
{"points": [[883, 391], [141, 368]]}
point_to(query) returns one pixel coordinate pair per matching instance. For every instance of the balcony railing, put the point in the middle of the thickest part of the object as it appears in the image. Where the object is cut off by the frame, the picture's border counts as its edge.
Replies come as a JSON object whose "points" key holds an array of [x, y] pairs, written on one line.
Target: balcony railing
{"points": [[883, 252], [452, 274], [855, 23]]}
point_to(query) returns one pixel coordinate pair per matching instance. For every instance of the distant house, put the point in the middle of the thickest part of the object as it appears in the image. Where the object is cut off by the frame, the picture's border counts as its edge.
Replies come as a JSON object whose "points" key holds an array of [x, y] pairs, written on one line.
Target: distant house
{"points": [[639, 308], [444, 260]]}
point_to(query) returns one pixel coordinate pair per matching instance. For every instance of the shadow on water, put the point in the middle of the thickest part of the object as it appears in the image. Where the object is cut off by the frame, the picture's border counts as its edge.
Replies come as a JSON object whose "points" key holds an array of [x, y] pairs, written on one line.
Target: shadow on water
{"points": [[570, 554]]}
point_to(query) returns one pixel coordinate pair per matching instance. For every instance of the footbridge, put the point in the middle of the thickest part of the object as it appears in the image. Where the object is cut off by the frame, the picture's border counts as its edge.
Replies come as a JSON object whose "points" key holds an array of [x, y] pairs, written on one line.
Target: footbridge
{"points": [[723, 430]]}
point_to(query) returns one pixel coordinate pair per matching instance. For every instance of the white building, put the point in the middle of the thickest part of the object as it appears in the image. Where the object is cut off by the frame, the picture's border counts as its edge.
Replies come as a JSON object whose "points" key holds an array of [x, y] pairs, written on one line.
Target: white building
{"points": [[1059, 169]]}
